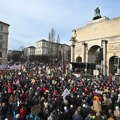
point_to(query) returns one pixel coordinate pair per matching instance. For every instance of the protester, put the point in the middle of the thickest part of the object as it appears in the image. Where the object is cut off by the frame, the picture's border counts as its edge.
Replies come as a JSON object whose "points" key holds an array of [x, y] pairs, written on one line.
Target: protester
{"points": [[3, 111], [42, 92]]}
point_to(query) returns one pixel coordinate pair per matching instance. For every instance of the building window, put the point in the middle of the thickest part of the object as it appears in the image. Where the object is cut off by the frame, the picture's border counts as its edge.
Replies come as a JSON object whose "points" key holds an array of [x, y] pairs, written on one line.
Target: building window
{"points": [[1, 37], [1, 27], [45, 51], [0, 45], [0, 54], [40, 44]]}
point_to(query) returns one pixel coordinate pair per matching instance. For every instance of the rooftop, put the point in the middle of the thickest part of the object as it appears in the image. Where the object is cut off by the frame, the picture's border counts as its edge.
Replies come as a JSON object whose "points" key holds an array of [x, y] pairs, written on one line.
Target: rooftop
{"points": [[4, 23]]}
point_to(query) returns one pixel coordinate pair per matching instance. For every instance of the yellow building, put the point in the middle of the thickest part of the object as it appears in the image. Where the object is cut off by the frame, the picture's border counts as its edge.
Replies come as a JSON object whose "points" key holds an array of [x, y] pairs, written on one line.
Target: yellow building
{"points": [[101, 33], [3, 42]]}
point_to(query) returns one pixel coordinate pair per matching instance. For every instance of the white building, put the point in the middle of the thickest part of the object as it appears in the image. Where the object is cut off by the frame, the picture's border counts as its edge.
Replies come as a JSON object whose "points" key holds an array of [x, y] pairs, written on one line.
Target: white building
{"points": [[3, 42], [30, 51], [47, 48]]}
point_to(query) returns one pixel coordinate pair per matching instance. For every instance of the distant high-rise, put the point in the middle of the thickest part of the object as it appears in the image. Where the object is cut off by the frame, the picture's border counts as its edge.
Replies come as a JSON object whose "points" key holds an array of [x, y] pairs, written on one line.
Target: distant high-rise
{"points": [[4, 31]]}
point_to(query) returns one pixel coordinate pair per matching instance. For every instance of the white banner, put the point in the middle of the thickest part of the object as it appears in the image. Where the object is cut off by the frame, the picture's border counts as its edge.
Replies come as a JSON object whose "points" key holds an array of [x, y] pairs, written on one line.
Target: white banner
{"points": [[3, 67]]}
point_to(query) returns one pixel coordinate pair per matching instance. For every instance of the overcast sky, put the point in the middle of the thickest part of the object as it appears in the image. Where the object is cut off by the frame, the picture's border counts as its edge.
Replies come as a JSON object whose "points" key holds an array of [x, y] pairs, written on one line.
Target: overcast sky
{"points": [[32, 20]]}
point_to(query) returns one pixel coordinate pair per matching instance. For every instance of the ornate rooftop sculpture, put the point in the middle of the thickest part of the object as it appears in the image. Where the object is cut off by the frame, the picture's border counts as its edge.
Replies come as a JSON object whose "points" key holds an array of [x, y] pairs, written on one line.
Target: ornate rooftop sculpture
{"points": [[97, 14]]}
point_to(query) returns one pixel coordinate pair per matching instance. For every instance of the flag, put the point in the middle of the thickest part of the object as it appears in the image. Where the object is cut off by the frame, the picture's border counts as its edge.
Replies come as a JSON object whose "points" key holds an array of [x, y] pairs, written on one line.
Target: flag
{"points": [[65, 92]]}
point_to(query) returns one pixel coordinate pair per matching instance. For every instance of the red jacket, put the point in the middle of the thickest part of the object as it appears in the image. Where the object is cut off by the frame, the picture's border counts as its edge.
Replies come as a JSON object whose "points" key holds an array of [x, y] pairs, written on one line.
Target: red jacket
{"points": [[22, 112]]}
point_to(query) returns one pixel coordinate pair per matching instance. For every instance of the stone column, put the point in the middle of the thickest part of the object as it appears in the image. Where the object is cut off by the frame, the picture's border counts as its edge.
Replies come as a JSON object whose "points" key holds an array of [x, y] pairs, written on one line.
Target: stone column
{"points": [[87, 53], [84, 52], [72, 49], [104, 45], [85, 56]]}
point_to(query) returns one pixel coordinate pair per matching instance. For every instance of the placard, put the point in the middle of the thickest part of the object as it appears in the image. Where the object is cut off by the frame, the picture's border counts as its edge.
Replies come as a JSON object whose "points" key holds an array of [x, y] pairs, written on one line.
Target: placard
{"points": [[116, 113], [95, 72], [96, 106], [35, 110]]}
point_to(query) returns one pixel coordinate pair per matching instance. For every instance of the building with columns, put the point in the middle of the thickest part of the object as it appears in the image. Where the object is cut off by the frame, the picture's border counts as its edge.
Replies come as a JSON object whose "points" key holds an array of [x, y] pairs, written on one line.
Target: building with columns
{"points": [[4, 31], [103, 34]]}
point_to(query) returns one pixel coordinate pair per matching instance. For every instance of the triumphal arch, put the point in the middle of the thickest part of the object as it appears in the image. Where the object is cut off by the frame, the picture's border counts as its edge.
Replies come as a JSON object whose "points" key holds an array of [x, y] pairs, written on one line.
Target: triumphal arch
{"points": [[98, 42]]}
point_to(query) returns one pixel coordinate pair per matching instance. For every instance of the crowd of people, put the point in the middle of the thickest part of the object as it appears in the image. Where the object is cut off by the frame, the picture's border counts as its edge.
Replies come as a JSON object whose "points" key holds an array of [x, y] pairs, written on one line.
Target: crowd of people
{"points": [[59, 95]]}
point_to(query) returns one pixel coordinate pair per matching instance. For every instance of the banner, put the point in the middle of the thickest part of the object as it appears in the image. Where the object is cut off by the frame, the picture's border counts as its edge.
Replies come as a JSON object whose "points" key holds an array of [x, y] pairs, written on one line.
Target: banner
{"points": [[13, 67], [3, 67]]}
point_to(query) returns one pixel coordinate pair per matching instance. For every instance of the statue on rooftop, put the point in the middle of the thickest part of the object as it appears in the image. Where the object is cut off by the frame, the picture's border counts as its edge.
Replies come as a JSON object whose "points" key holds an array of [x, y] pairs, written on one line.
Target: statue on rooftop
{"points": [[97, 14]]}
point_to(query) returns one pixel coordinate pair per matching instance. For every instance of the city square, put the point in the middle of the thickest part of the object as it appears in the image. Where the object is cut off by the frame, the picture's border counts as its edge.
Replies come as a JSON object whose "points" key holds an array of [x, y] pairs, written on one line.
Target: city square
{"points": [[51, 78]]}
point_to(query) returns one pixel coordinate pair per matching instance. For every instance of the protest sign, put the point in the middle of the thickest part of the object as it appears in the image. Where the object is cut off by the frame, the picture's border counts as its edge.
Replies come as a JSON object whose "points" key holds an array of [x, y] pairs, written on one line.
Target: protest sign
{"points": [[65, 92], [116, 113], [33, 81], [35, 110], [96, 106], [95, 72]]}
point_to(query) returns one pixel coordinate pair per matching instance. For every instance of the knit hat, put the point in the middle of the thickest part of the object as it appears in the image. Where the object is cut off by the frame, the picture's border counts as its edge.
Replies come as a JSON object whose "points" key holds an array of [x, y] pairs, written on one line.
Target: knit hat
{"points": [[18, 115], [117, 107], [6, 118]]}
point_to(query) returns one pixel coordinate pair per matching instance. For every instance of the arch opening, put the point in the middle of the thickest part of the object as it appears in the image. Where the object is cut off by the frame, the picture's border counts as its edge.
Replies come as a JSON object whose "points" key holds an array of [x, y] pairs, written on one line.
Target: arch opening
{"points": [[114, 65], [93, 55], [79, 59]]}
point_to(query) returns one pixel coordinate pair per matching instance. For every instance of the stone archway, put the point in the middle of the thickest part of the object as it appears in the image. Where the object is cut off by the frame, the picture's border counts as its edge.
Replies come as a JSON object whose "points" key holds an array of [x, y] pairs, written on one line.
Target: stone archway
{"points": [[92, 54], [113, 64], [79, 59]]}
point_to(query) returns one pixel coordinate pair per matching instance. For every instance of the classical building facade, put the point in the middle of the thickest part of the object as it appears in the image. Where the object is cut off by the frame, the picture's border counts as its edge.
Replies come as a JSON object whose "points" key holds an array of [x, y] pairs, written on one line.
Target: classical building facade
{"points": [[29, 51], [103, 34], [51, 49], [4, 31]]}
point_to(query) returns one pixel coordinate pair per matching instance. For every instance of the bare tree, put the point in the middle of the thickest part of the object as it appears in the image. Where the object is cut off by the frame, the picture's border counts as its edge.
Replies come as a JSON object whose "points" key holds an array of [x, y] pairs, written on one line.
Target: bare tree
{"points": [[23, 57], [51, 36], [53, 39], [58, 39]]}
